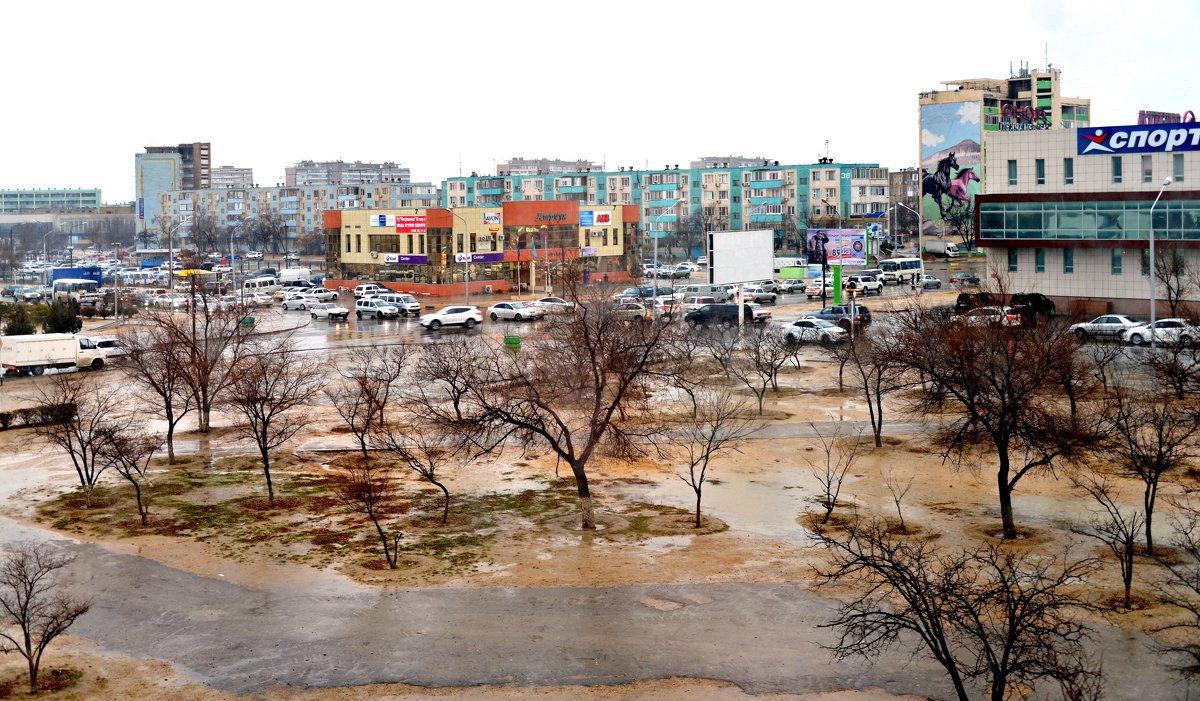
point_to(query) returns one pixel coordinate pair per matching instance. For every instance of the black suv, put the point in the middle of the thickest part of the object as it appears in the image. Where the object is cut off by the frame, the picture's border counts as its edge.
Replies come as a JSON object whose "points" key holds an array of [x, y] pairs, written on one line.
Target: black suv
{"points": [[973, 300], [1032, 306], [718, 315], [840, 315]]}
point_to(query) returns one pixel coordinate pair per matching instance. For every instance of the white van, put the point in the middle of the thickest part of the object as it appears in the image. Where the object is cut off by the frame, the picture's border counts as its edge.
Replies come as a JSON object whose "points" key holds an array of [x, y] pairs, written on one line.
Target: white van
{"points": [[288, 274], [260, 285], [367, 289], [407, 304], [717, 292]]}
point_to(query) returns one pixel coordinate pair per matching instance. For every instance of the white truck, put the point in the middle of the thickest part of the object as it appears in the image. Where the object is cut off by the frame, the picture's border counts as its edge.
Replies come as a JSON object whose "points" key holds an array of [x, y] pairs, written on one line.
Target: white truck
{"points": [[34, 353], [941, 248]]}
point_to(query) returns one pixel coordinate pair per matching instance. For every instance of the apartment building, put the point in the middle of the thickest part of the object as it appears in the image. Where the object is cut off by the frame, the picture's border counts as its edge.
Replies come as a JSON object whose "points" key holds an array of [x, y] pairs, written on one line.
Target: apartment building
{"points": [[332, 173], [1070, 213], [162, 169], [226, 177], [47, 201], [541, 166]]}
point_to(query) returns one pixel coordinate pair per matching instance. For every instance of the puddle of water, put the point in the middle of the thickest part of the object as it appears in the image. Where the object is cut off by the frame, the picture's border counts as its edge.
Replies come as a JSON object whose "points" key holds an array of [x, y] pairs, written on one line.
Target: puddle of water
{"points": [[667, 543]]}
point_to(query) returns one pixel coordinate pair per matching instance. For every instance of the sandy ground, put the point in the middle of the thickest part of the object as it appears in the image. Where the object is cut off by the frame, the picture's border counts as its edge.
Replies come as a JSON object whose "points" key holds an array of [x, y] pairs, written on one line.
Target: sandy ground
{"points": [[762, 495]]}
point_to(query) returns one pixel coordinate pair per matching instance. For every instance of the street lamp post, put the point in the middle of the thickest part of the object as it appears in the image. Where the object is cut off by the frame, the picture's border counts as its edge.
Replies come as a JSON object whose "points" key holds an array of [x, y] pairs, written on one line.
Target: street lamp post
{"points": [[467, 260], [665, 212], [46, 255], [920, 254], [1153, 290]]}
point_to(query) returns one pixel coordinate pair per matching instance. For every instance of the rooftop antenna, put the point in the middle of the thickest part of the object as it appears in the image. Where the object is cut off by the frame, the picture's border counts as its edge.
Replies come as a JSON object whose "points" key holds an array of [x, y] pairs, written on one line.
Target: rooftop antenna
{"points": [[460, 165], [827, 148]]}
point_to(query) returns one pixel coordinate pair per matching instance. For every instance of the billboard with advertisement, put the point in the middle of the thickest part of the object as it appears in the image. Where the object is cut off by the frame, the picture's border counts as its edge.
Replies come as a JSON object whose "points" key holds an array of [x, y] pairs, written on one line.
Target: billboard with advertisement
{"points": [[836, 246], [950, 161], [1137, 138], [588, 217]]}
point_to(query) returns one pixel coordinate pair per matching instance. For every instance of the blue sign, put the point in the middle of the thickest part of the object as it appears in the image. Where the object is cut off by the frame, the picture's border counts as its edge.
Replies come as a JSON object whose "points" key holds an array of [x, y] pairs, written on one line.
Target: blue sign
{"points": [[89, 273], [1138, 138], [587, 217]]}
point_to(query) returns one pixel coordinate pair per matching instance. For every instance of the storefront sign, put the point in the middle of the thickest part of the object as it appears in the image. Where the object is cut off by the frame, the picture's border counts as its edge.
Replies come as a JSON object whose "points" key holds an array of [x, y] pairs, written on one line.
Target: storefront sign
{"points": [[1023, 118], [588, 217], [404, 223], [837, 246], [408, 260], [1149, 117], [589, 252], [1141, 138], [550, 218], [491, 219]]}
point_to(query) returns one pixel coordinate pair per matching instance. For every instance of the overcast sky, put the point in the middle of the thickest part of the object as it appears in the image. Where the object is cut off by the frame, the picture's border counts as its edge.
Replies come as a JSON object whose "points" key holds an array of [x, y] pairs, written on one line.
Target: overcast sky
{"points": [[453, 87]]}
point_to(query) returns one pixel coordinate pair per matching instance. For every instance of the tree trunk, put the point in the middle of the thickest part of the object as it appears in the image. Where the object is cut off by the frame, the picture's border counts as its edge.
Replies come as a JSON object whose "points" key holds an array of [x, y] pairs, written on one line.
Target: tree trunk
{"points": [[876, 409], [87, 494], [205, 413], [137, 490], [698, 507], [267, 474], [388, 555], [446, 502], [33, 675], [1006, 514], [1148, 505]]}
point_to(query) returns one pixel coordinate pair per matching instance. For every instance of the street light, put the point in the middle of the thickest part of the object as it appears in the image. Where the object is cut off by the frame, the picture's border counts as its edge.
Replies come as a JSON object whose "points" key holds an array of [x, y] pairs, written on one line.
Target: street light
{"points": [[45, 255], [1153, 291], [665, 212], [920, 253], [467, 262]]}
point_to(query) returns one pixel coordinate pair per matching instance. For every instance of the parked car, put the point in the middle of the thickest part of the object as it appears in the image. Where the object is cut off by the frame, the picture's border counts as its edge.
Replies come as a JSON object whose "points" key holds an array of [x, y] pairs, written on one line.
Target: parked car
{"points": [[970, 300], [689, 265], [553, 304], [170, 301], [1166, 331], [963, 278], [803, 331], [632, 311], [758, 295], [930, 282], [816, 288], [517, 311], [865, 283], [840, 314], [702, 261], [372, 307], [793, 285], [368, 290], [254, 255], [989, 316], [452, 316], [301, 302], [1106, 326], [1032, 306], [768, 285], [328, 311], [691, 304], [758, 315], [322, 294], [725, 315]]}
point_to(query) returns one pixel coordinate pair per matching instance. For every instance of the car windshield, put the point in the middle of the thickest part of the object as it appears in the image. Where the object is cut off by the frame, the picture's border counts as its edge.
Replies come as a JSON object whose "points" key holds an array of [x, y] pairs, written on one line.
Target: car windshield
{"points": [[822, 324]]}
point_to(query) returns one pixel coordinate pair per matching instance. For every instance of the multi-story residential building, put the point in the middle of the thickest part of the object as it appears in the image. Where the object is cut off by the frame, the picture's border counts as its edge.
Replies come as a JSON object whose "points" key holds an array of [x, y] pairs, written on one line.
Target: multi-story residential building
{"points": [[543, 166], [329, 173], [904, 188], [299, 208], [786, 198], [515, 244], [1068, 213], [162, 169], [47, 201], [226, 177], [730, 162]]}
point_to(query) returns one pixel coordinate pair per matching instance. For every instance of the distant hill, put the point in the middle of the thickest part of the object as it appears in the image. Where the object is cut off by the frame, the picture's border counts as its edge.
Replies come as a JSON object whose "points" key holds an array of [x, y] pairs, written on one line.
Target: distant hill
{"points": [[966, 152]]}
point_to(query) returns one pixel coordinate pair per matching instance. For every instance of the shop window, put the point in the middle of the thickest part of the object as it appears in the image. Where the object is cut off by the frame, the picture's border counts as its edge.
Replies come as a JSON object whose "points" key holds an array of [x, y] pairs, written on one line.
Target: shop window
{"points": [[1068, 171], [1118, 256], [1039, 260], [1068, 260], [1116, 170], [1012, 172], [1012, 259], [1040, 167]]}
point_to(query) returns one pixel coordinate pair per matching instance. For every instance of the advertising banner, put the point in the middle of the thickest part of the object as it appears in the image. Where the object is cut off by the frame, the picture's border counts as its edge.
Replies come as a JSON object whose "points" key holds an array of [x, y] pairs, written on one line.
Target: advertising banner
{"points": [[410, 223], [491, 219], [588, 217], [410, 260], [950, 158], [1138, 138], [836, 246]]}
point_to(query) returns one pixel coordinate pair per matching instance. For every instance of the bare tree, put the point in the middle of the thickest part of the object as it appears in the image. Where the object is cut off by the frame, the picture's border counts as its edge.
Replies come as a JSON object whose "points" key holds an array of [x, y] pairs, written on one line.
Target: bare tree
{"points": [[423, 448], [1150, 436], [581, 390], [842, 354], [371, 489], [833, 465], [679, 367], [899, 489], [152, 364], [34, 612], [881, 369], [82, 423], [719, 427], [369, 375], [993, 387], [1175, 280], [1180, 589], [268, 393], [1103, 358], [721, 345], [1114, 526], [1177, 367], [1004, 618], [764, 354], [129, 451]]}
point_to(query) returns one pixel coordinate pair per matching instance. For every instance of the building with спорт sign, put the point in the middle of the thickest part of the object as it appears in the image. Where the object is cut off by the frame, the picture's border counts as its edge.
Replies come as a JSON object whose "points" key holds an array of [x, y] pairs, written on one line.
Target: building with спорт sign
{"points": [[1067, 213], [514, 244]]}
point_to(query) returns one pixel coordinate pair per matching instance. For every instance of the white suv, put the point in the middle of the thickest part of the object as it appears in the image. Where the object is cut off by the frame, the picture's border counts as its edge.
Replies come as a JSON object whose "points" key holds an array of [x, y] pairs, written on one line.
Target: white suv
{"points": [[452, 316], [368, 290], [375, 307]]}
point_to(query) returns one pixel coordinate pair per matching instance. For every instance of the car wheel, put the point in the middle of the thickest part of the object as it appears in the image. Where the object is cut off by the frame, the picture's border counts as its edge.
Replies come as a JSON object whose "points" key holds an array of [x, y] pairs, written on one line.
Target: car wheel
{"points": [[1081, 334], [494, 317], [313, 315], [727, 324], [37, 370], [470, 323], [97, 363], [518, 317], [358, 314], [435, 325], [1136, 339]]}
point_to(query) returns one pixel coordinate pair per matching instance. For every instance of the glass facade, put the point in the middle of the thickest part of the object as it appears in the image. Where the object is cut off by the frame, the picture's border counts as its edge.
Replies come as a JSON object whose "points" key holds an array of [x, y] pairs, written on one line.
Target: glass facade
{"points": [[1177, 220]]}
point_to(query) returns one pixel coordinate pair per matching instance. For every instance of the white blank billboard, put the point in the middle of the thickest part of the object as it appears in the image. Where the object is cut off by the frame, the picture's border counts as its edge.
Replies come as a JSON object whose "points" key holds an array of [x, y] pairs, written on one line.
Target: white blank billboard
{"points": [[740, 256]]}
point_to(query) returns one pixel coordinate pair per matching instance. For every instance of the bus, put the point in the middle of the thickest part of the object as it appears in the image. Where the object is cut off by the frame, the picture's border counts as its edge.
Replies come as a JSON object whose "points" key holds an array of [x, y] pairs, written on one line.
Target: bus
{"points": [[78, 289], [900, 270]]}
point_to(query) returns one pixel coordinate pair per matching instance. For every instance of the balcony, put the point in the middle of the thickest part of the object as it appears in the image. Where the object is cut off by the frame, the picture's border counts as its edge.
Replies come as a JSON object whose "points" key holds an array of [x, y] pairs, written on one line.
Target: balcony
{"points": [[490, 191], [764, 184], [573, 189]]}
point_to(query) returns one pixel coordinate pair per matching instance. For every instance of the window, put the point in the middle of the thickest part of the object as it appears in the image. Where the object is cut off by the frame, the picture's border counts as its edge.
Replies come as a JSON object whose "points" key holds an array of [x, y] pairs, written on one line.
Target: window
{"points": [[1012, 172], [1068, 260], [1068, 171], [1039, 259], [1146, 262], [1177, 168], [1118, 255], [1040, 170], [1147, 169], [816, 175], [1116, 170], [831, 175], [1012, 259]]}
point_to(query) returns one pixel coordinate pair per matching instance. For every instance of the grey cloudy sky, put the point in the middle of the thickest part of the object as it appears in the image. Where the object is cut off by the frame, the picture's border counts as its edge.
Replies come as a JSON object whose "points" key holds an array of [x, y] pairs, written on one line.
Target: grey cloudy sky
{"points": [[449, 86]]}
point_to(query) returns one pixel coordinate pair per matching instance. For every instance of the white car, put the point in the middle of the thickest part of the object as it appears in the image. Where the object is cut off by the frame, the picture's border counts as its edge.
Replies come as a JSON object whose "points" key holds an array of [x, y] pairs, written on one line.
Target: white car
{"points": [[1107, 325], [553, 304], [989, 316], [1167, 331], [370, 306], [171, 301], [813, 289], [812, 331], [254, 255], [328, 311], [368, 290], [323, 294], [691, 304], [301, 302], [452, 316], [758, 295], [689, 265], [517, 311]]}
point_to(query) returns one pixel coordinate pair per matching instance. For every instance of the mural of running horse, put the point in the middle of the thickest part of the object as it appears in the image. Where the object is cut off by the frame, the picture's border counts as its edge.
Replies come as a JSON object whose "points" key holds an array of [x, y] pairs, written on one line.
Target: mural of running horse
{"points": [[958, 188], [940, 183]]}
